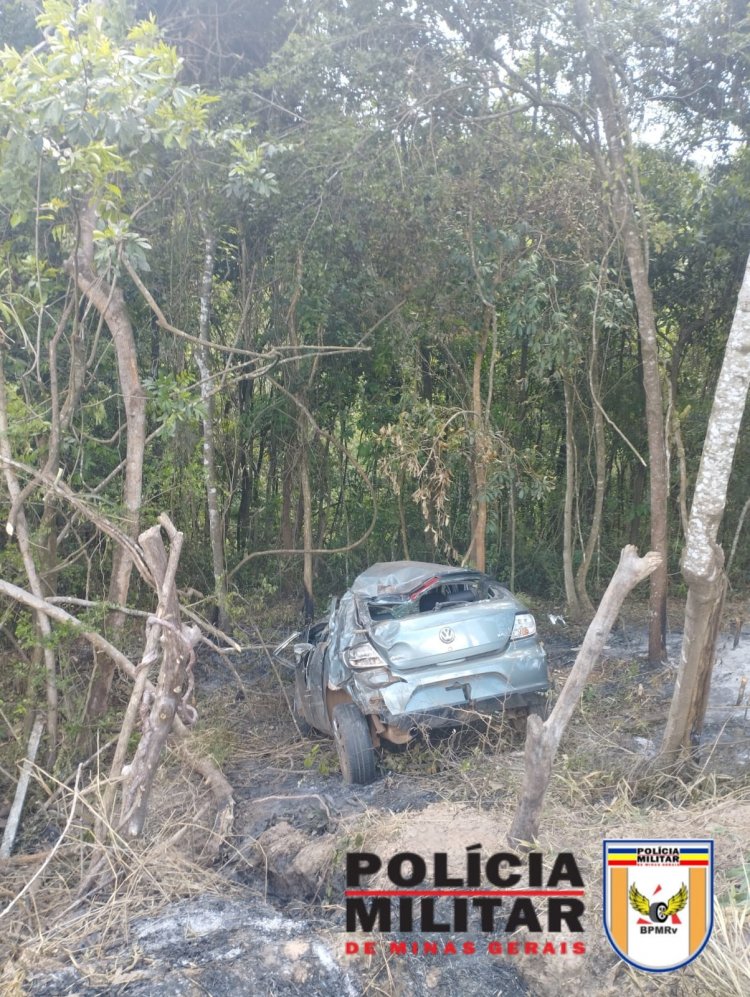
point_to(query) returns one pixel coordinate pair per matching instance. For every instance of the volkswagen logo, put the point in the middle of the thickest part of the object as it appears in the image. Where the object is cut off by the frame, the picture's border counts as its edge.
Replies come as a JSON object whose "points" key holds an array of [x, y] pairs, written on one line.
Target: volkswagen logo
{"points": [[447, 635]]}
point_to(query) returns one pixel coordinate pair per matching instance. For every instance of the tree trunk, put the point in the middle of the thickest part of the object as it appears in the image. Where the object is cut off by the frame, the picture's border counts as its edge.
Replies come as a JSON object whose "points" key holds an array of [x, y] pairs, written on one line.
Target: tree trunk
{"points": [[323, 490], [543, 739], [23, 536], [242, 536], [203, 362], [307, 528], [571, 595], [14, 817], [287, 485], [703, 558], [61, 417], [247, 465], [622, 183], [402, 515], [477, 552], [737, 534], [110, 303], [600, 459], [676, 432], [512, 532]]}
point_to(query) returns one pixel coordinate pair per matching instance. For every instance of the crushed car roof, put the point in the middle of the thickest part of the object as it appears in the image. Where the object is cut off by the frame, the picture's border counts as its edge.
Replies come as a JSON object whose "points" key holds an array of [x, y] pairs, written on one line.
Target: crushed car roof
{"points": [[400, 577]]}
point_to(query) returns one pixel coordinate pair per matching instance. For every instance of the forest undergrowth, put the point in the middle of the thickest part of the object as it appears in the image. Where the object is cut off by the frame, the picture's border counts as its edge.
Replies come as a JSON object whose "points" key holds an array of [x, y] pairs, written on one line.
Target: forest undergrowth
{"points": [[289, 801]]}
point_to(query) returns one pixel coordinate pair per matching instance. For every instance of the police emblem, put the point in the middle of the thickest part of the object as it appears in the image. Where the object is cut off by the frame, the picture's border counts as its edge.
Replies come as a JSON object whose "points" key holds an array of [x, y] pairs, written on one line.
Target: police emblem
{"points": [[658, 900]]}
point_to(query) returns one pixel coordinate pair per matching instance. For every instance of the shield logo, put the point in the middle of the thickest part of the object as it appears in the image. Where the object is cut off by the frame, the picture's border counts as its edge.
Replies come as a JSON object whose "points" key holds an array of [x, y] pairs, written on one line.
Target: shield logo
{"points": [[447, 635], [658, 900]]}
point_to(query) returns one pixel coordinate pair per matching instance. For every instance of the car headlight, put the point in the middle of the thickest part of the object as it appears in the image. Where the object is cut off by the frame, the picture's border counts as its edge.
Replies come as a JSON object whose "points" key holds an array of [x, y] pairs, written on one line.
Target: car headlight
{"points": [[524, 626]]}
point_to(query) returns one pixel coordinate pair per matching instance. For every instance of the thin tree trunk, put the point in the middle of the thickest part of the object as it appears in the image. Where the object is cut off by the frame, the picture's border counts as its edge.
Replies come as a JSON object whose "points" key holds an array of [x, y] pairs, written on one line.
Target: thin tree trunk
{"points": [[203, 362], [703, 558], [307, 527], [247, 487], [682, 463], [600, 458], [543, 739], [23, 537], [402, 515], [512, 532], [323, 493], [477, 552], [247, 464], [110, 303], [287, 482], [621, 178], [60, 419], [571, 595], [14, 817], [737, 533]]}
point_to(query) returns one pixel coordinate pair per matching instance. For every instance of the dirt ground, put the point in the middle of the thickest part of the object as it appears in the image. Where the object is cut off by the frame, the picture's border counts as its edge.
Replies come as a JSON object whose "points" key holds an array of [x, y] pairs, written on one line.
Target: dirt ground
{"points": [[265, 913]]}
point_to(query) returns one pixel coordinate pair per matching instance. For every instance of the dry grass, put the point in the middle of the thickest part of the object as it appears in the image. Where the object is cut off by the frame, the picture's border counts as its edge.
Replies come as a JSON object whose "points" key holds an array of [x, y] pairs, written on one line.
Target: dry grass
{"points": [[723, 969], [56, 919], [603, 787]]}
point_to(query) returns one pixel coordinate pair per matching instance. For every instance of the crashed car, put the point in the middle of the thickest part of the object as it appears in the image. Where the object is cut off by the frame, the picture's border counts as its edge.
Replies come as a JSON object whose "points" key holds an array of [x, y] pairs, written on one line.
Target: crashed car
{"points": [[411, 646]]}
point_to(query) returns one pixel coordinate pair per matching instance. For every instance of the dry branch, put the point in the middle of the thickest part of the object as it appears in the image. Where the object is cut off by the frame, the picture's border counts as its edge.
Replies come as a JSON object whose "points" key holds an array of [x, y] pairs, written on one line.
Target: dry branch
{"points": [[543, 739], [184, 638], [14, 817], [169, 697], [49, 856]]}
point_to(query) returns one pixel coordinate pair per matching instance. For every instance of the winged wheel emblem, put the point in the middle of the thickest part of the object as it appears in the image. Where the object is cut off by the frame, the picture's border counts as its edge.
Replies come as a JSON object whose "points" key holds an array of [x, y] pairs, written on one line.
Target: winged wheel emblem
{"points": [[658, 911]]}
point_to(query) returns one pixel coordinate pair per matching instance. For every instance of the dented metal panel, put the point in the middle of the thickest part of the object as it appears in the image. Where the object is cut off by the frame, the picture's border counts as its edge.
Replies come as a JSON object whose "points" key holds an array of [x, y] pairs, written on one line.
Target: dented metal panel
{"points": [[418, 643]]}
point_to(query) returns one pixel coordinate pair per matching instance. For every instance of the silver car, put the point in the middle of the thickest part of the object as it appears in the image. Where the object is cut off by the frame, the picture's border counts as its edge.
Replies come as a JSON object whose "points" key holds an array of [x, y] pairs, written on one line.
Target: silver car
{"points": [[414, 645]]}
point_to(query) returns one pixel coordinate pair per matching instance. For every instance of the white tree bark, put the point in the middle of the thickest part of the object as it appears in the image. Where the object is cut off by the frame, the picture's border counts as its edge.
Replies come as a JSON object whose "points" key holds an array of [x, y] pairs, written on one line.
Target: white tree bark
{"points": [[703, 558], [203, 361]]}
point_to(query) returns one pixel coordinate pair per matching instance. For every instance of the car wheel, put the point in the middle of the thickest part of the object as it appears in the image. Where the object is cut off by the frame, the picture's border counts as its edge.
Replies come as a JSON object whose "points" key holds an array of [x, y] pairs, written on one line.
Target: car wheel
{"points": [[658, 912], [351, 732]]}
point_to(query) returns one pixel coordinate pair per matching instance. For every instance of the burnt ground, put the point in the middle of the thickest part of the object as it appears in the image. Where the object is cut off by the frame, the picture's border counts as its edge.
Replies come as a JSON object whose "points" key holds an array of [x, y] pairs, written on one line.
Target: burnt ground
{"points": [[269, 916]]}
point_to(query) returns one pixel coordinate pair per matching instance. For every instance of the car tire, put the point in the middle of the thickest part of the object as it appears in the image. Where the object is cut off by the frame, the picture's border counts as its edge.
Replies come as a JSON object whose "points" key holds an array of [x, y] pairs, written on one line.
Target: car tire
{"points": [[657, 912], [351, 733]]}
